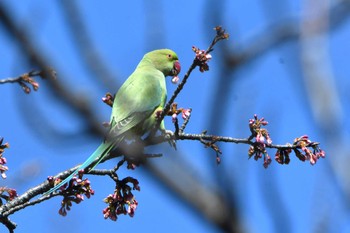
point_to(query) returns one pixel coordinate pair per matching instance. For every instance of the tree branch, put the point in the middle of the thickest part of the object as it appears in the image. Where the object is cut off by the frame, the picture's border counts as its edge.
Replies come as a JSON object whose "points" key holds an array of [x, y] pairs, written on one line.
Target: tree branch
{"points": [[27, 78]]}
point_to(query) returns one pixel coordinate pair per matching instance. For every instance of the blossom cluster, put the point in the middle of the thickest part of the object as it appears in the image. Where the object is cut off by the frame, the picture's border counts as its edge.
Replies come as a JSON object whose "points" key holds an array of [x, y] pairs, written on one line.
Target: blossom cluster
{"points": [[303, 147], [174, 112], [311, 155], [73, 191], [202, 58], [28, 78], [122, 201], [306, 154], [3, 160], [262, 138]]}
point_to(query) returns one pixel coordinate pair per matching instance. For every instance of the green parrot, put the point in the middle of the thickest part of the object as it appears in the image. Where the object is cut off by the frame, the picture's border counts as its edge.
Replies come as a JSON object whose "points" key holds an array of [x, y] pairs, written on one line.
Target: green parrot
{"points": [[136, 104]]}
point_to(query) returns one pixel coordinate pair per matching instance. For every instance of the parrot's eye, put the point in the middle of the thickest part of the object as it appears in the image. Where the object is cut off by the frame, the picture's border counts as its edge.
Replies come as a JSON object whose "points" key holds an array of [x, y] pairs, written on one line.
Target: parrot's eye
{"points": [[169, 56]]}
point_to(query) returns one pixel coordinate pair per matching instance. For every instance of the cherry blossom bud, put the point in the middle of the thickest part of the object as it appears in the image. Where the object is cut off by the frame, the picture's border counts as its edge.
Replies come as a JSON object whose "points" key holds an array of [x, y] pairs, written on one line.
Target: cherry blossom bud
{"points": [[260, 138], [186, 113], [267, 161], [35, 86], [175, 79], [174, 117]]}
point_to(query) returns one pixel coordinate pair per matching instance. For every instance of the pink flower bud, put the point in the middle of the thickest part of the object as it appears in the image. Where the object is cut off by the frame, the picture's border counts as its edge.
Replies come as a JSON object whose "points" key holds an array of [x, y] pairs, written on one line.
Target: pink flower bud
{"points": [[269, 141], [312, 160], [186, 113], [35, 86], [174, 117], [260, 138], [175, 79]]}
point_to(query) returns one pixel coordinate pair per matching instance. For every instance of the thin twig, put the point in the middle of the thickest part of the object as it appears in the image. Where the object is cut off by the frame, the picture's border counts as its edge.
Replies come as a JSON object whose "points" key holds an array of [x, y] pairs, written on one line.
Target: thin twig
{"points": [[219, 36], [27, 79], [184, 124]]}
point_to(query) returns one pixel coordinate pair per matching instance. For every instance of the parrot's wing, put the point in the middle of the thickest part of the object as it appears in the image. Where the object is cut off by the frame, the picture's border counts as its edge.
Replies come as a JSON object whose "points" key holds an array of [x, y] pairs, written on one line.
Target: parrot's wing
{"points": [[137, 100], [120, 127]]}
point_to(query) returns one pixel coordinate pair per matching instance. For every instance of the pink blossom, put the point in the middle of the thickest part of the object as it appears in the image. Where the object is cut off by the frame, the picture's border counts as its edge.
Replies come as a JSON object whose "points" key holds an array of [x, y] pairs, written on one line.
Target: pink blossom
{"points": [[174, 117], [269, 141], [321, 153], [267, 160], [186, 113], [132, 207], [3, 160], [313, 160], [35, 86], [208, 56], [175, 79], [260, 138]]}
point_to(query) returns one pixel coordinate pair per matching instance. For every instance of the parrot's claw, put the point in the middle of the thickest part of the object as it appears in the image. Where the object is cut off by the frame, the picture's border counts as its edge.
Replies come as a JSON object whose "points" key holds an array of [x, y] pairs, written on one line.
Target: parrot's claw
{"points": [[169, 136]]}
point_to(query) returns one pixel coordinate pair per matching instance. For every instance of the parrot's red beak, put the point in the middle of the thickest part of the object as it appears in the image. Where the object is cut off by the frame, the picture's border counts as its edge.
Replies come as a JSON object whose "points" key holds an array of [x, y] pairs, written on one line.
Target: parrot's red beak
{"points": [[176, 68]]}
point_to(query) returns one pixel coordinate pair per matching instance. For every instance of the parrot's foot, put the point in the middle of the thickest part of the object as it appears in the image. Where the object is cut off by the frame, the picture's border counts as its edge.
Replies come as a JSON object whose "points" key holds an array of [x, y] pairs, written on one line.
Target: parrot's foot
{"points": [[169, 136]]}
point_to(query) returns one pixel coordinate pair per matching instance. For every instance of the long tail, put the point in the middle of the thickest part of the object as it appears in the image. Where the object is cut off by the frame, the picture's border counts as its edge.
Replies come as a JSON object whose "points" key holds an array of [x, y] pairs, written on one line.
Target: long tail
{"points": [[100, 153]]}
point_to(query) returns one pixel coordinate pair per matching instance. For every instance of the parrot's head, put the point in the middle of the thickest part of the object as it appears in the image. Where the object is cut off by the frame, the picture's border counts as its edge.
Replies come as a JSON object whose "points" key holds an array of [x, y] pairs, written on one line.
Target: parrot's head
{"points": [[166, 61]]}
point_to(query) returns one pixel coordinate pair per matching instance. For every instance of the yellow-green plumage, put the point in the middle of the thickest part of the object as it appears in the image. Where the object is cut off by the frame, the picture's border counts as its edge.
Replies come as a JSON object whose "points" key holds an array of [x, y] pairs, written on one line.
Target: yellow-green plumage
{"points": [[135, 104]]}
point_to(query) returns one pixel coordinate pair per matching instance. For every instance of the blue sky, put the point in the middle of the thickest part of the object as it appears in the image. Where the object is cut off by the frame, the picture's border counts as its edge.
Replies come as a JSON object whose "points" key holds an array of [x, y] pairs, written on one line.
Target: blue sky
{"points": [[273, 85]]}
